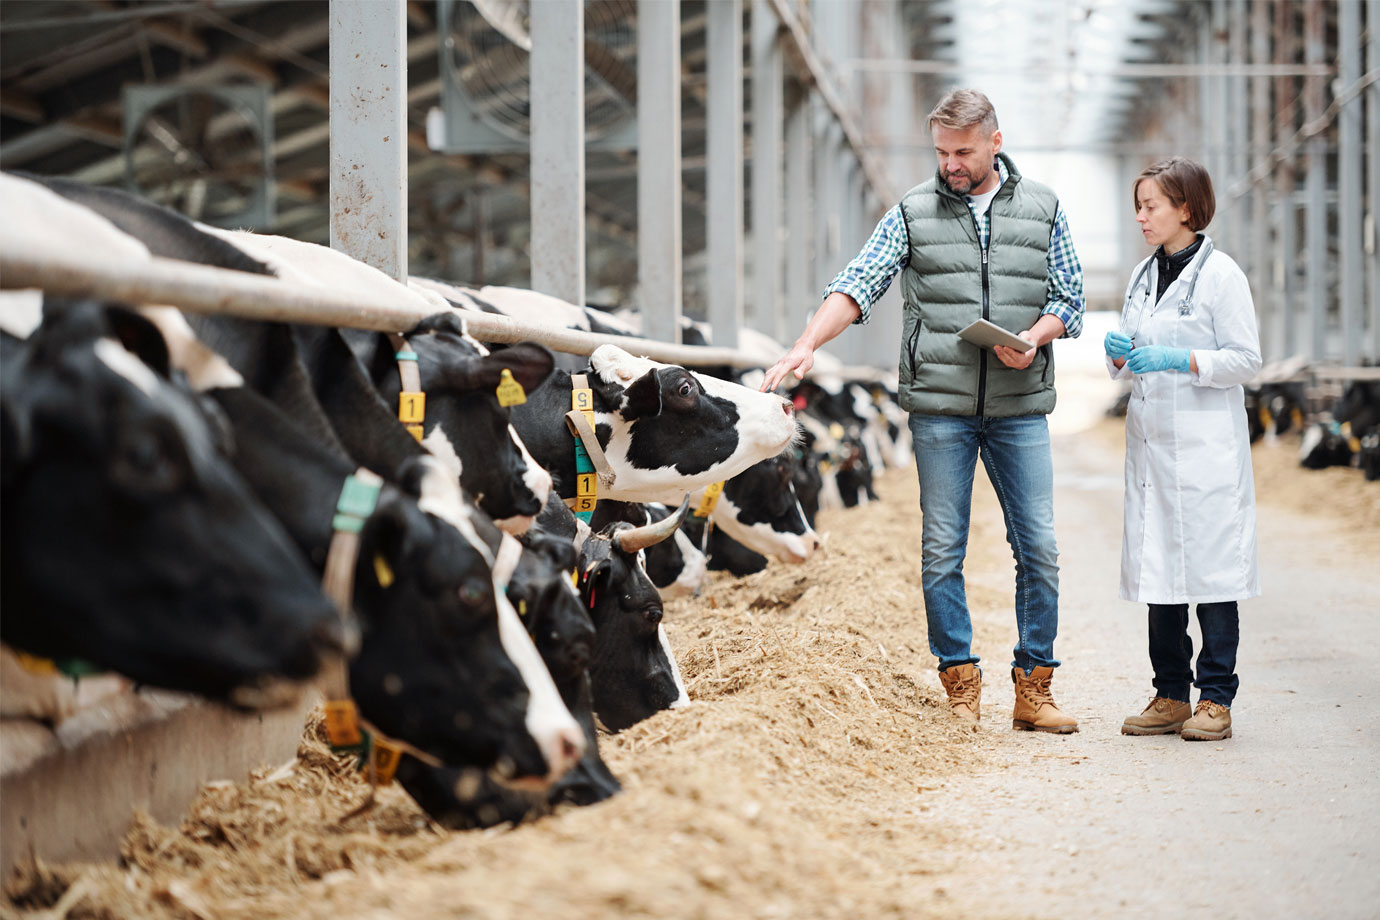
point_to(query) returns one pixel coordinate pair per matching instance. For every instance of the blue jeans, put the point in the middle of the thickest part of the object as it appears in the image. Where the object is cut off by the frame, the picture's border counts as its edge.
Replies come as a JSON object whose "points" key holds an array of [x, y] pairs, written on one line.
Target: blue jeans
{"points": [[1171, 651], [1015, 452]]}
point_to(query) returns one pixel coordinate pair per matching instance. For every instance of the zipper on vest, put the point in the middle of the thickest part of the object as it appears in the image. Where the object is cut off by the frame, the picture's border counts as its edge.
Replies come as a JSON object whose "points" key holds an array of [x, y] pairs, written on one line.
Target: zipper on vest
{"points": [[982, 353]]}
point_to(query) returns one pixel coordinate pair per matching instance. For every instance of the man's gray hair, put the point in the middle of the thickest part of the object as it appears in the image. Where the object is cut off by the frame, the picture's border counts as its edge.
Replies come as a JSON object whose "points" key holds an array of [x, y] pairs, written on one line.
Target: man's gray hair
{"points": [[961, 109]]}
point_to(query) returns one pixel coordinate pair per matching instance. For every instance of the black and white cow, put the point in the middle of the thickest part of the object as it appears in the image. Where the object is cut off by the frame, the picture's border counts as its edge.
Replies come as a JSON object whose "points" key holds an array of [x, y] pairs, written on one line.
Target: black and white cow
{"points": [[760, 509], [665, 430], [499, 469], [128, 539], [633, 673], [722, 552]]}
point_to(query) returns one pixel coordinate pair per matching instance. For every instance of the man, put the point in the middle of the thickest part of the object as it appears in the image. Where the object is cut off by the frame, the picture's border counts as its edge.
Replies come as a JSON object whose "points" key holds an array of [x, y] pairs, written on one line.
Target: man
{"points": [[977, 240]]}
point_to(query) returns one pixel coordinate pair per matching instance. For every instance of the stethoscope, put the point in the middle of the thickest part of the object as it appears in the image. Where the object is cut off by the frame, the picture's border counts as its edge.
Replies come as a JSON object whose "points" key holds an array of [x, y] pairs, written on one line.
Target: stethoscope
{"points": [[1185, 302]]}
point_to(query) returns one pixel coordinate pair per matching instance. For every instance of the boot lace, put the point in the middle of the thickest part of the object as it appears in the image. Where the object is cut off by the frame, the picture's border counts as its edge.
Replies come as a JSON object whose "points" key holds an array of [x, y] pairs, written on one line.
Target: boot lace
{"points": [[1214, 710], [965, 690], [1036, 691]]}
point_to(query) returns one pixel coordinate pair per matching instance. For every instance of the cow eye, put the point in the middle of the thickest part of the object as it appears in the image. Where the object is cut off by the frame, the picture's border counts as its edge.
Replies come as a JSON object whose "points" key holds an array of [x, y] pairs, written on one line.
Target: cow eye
{"points": [[149, 460], [652, 615], [472, 593], [685, 388]]}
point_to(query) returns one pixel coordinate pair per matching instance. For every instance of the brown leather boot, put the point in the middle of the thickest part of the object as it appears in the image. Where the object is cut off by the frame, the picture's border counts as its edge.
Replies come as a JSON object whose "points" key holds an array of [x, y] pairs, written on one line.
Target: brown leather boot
{"points": [[963, 684], [1211, 722], [1035, 709], [1162, 717]]}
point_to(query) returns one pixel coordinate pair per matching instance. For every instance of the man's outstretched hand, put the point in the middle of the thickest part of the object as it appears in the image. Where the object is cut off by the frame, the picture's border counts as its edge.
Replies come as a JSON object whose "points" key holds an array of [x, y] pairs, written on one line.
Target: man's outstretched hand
{"points": [[1019, 360], [796, 362]]}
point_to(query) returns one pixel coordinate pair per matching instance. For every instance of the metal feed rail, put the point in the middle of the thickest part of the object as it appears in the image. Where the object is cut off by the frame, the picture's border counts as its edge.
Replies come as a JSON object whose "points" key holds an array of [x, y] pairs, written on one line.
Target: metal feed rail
{"points": [[203, 289]]}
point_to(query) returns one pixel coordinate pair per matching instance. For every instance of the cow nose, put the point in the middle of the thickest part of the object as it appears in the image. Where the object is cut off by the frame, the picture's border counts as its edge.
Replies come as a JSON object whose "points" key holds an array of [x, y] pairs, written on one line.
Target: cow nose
{"points": [[787, 408]]}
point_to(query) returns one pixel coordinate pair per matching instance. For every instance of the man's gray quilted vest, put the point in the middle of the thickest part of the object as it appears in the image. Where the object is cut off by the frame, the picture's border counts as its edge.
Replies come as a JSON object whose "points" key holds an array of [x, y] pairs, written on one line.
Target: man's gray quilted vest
{"points": [[942, 286]]}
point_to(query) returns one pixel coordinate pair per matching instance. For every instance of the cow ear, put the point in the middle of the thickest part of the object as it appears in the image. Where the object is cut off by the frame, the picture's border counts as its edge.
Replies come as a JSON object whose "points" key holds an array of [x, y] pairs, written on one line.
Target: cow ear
{"points": [[384, 535], [440, 322], [642, 397], [140, 337], [530, 363], [410, 474]]}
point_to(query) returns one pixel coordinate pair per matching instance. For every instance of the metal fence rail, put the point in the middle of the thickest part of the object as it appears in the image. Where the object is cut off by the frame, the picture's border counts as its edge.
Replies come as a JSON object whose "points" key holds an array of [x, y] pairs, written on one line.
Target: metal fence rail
{"points": [[203, 289]]}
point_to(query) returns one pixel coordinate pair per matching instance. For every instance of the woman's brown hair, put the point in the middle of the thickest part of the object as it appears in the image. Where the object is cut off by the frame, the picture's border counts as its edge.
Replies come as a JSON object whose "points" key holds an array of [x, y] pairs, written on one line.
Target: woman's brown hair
{"points": [[1183, 182]]}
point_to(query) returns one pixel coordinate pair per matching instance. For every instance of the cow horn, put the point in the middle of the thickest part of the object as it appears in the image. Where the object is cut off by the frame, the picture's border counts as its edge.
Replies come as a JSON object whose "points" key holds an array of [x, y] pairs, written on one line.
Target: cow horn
{"points": [[636, 538]]}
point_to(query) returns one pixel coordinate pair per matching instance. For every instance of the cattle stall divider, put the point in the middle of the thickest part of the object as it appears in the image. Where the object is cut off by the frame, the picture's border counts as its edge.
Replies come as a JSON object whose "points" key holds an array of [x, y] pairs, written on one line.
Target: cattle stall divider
{"points": [[204, 289]]}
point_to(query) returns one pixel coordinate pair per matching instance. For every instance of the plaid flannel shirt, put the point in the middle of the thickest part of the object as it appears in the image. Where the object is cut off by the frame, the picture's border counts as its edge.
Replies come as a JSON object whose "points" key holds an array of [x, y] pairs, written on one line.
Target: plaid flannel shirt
{"points": [[871, 272]]}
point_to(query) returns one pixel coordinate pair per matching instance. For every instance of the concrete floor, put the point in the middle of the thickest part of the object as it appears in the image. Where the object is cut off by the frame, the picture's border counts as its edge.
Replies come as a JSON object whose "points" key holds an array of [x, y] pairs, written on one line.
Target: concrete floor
{"points": [[1282, 820]]}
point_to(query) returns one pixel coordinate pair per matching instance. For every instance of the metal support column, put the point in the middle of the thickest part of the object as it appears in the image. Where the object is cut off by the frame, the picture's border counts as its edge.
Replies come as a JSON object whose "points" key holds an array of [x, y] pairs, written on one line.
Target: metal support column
{"points": [[724, 169], [558, 150], [658, 167], [799, 239], [1260, 114], [827, 229], [1286, 184], [1350, 154], [1238, 133], [368, 124], [768, 114], [1373, 144], [1315, 216]]}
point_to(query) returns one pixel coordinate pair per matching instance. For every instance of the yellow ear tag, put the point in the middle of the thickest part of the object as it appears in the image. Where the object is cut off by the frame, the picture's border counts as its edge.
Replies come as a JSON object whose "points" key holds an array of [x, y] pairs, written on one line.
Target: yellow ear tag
{"points": [[44, 667], [386, 757], [575, 578], [836, 431], [342, 723], [382, 572], [510, 392]]}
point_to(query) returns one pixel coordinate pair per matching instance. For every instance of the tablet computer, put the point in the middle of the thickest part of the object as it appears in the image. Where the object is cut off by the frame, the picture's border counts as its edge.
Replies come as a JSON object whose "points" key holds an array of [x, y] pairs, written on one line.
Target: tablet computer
{"points": [[986, 334]]}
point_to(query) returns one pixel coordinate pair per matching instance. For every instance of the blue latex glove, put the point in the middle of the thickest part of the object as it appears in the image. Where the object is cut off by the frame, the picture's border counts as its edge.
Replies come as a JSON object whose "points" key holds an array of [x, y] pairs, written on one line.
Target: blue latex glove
{"points": [[1116, 345], [1148, 358]]}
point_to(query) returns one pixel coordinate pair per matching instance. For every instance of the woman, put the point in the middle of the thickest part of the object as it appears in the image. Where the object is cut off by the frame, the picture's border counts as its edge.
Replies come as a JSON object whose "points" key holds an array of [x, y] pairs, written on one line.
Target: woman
{"points": [[1188, 339]]}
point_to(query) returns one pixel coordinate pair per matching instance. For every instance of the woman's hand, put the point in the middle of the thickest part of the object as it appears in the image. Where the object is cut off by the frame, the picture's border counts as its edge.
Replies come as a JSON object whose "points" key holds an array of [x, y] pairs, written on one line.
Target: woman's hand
{"points": [[1116, 345], [1017, 360], [1150, 358]]}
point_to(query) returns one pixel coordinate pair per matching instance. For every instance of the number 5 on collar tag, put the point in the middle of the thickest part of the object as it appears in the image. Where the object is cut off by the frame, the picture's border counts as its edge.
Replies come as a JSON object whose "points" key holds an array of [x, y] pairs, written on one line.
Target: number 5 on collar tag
{"points": [[510, 392]]}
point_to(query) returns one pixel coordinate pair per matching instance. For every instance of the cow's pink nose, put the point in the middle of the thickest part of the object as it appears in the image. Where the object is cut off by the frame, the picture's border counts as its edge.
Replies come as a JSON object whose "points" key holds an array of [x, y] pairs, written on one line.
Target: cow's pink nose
{"points": [[787, 408]]}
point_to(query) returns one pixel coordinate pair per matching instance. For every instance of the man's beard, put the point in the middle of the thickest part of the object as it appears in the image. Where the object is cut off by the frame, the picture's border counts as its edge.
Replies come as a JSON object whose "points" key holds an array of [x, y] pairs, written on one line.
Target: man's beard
{"points": [[972, 182]]}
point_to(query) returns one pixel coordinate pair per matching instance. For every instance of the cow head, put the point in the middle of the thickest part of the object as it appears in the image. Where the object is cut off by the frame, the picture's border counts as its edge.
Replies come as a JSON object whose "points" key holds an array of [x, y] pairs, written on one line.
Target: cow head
{"points": [[760, 510], [634, 673], [129, 540], [672, 430], [464, 419], [493, 703]]}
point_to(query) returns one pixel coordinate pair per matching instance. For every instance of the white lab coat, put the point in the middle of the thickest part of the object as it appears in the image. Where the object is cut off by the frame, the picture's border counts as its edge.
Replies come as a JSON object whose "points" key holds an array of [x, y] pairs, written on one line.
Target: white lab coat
{"points": [[1189, 532]]}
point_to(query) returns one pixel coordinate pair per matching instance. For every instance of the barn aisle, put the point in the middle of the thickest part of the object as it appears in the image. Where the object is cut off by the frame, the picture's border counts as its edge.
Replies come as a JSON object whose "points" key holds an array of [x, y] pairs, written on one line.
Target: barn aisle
{"points": [[819, 775], [1278, 821]]}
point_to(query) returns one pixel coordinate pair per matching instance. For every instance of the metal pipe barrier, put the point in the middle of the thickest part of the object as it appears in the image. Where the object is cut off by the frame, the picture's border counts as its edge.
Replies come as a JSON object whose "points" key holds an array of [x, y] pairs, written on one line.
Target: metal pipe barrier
{"points": [[203, 289]]}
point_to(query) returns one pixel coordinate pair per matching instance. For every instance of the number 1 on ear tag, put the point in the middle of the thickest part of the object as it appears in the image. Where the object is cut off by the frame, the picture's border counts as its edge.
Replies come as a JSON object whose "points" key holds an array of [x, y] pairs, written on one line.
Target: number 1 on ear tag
{"points": [[342, 723], [510, 392]]}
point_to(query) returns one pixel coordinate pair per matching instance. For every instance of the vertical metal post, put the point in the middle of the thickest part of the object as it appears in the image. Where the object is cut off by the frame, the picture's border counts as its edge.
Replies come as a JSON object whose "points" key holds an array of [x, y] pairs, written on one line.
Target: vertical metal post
{"points": [[1350, 247], [479, 204], [724, 169], [658, 167], [558, 150], [1315, 216], [827, 166], [768, 111], [799, 242], [1222, 120], [1262, 289], [1286, 179], [1238, 128], [1205, 113], [1373, 143], [368, 61]]}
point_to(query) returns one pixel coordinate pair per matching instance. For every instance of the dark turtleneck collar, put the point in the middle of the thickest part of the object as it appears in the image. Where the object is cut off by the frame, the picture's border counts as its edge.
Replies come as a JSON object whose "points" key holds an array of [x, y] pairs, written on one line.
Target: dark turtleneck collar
{"points": [[1167, 268]]}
